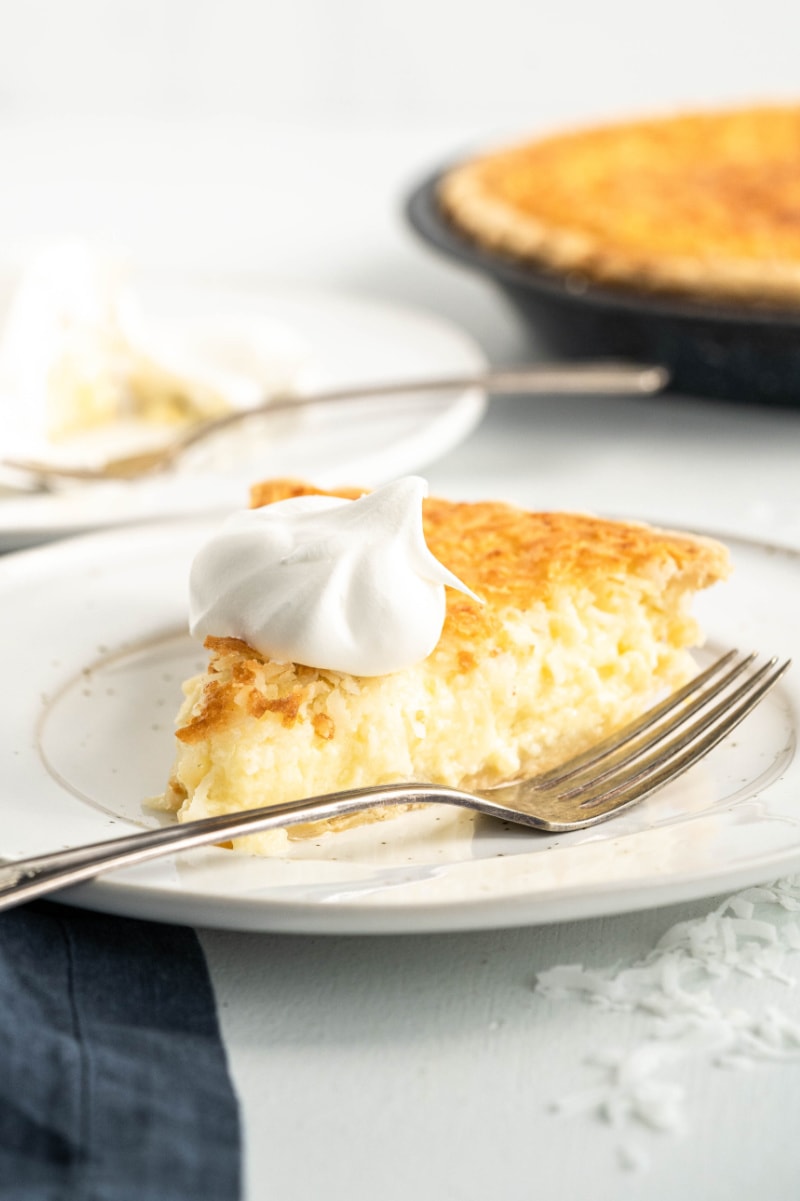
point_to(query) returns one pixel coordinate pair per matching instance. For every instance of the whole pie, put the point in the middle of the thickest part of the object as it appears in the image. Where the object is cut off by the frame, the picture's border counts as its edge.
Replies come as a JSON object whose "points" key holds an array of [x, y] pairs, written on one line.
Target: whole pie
{"points": [[703, 204], [583, 621]]}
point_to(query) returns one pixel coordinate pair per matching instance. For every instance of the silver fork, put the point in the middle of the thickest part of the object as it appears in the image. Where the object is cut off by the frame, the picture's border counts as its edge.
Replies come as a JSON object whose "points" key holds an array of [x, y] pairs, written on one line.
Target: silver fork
{"points": [[581, 378], [612, 775]]}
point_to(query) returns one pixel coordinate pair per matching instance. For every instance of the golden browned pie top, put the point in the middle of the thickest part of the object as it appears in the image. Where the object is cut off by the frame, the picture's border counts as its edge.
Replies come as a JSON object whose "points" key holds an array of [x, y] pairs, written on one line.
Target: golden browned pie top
{"points": [[512, 558], [702, 204]]}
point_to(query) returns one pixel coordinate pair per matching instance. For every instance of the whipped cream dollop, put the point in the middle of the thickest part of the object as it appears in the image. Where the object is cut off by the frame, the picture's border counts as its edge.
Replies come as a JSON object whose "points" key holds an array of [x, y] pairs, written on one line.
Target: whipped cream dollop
{"points": [[347, 585]]}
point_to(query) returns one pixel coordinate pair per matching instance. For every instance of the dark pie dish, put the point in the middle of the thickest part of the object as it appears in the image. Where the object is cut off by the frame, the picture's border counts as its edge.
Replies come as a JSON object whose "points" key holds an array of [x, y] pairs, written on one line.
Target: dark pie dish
{"points": [[729, 347]]}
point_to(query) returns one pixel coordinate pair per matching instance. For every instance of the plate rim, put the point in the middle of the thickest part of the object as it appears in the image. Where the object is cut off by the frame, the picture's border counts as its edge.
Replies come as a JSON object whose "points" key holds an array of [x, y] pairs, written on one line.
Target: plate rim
{"points": [[447, 917]]}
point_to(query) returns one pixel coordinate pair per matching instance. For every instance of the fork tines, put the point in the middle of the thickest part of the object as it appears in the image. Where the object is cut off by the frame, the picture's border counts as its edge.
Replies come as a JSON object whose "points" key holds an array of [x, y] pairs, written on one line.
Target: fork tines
{"points": [[668, 738]]}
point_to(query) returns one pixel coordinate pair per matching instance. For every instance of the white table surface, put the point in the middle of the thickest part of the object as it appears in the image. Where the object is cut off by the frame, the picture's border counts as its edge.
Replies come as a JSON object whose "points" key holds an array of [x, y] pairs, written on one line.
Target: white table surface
{"points": [[425, 1067]]}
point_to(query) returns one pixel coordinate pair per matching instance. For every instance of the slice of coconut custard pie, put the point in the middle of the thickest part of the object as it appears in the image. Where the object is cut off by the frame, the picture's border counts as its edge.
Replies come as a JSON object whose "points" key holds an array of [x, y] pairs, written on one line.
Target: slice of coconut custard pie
{"points": [[368, 639]]}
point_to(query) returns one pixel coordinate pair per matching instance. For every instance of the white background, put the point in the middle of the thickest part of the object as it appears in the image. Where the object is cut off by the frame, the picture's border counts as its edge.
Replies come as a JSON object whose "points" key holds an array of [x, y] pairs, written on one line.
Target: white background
{"points": [[480, 65], [179, 128], [271, 142]]}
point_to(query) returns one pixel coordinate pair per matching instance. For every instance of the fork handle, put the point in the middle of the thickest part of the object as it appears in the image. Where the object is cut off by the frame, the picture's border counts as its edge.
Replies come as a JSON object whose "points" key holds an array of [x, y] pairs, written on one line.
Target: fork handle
{"points": [[588, 378], [24, 879], [604, 376], [601, 378]]}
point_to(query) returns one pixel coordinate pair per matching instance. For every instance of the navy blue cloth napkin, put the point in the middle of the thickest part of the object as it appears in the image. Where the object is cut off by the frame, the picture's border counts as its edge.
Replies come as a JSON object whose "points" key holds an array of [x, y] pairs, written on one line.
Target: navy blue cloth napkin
{"points": [[114, 1084]]}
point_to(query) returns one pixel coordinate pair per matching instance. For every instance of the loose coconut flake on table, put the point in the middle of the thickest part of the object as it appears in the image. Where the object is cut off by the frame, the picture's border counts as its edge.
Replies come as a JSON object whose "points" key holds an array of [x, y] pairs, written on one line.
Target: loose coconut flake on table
{"points": [[751, 933]]}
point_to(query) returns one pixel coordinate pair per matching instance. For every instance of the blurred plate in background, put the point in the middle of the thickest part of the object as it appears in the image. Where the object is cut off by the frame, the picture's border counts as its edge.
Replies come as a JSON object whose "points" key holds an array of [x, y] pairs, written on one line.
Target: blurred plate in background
{"points": [[349, 340]]}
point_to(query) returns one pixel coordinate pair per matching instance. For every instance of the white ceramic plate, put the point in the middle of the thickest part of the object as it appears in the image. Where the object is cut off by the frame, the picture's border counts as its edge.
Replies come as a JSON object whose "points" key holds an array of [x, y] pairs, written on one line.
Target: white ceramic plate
{"points": [[94, 658], [348, 340]]}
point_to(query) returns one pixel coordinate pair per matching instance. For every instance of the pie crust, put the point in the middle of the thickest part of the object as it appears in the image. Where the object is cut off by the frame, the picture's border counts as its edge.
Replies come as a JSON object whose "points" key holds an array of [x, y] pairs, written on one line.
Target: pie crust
{"points": [[705, 205]]}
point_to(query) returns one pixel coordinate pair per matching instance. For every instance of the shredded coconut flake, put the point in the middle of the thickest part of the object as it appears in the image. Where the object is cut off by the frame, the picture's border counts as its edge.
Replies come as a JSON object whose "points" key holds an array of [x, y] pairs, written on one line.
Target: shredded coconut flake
{"points": [[633, 1157], [673, 986]]}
